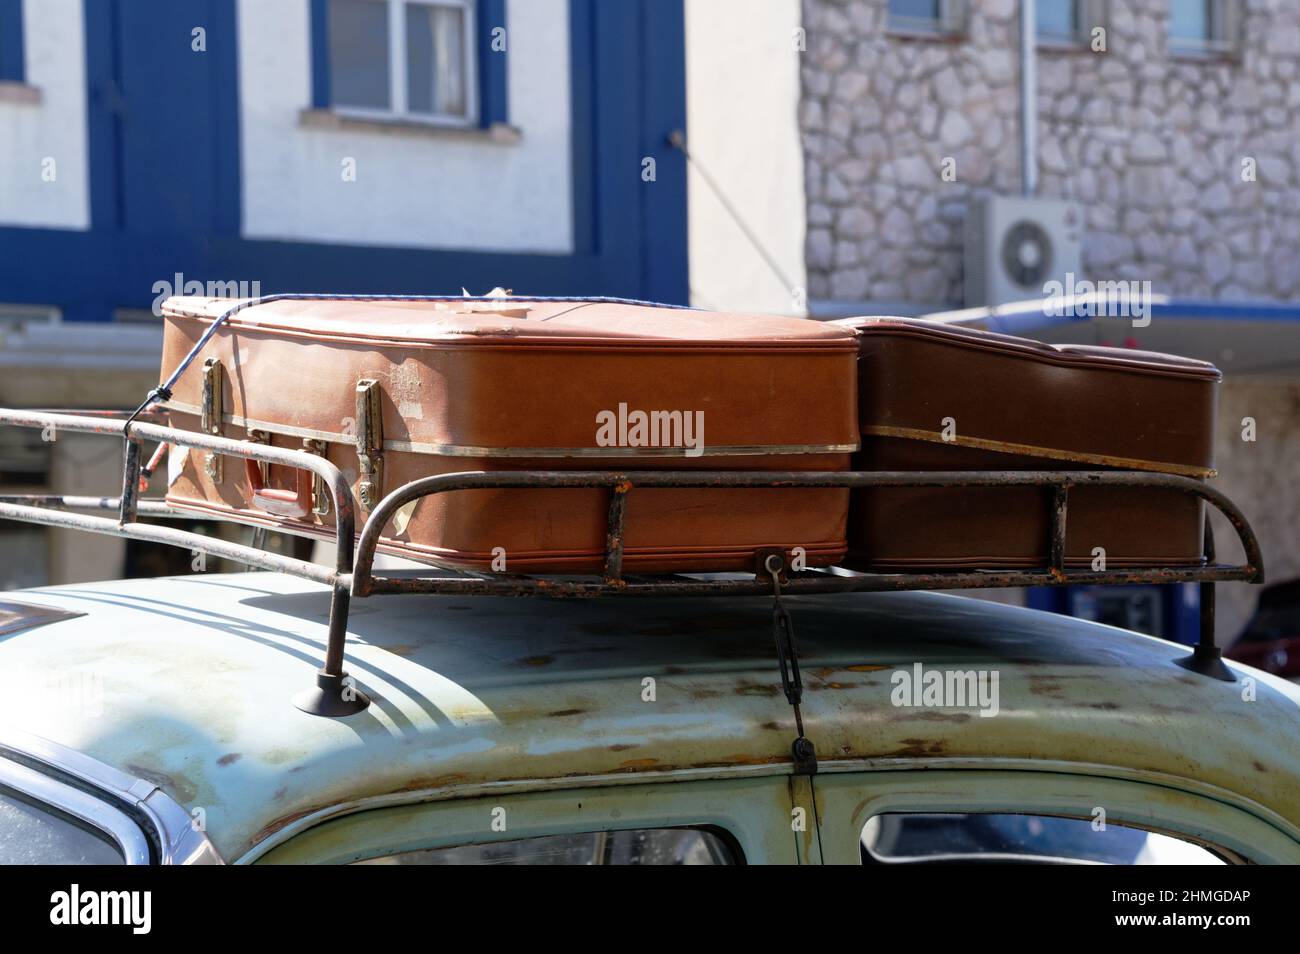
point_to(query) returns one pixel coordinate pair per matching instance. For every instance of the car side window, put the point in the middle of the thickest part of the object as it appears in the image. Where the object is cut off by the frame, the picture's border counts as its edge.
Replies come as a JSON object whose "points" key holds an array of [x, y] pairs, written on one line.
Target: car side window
{"points": [[644, 846], [965, 837]]}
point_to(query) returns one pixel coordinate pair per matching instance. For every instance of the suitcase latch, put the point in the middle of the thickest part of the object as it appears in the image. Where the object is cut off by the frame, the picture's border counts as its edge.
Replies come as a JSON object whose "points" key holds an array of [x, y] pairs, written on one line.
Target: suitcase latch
{"points": [[320, 497], [257, 436], [212, 414], [370, 443]]}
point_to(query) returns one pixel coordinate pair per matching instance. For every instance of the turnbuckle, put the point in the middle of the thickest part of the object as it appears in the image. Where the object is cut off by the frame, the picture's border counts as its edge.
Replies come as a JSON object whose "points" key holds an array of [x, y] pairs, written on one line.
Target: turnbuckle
{"points": [[787, 656]]}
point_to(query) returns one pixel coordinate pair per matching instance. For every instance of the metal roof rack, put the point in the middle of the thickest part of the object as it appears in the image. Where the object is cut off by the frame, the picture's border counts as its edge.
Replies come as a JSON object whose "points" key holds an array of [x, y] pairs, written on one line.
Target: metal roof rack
{"points": [[335, 695]]}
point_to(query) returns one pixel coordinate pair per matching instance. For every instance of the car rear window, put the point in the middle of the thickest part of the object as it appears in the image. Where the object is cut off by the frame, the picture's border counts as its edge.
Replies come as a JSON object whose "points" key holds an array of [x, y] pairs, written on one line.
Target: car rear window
{"points": [[961, 837]]}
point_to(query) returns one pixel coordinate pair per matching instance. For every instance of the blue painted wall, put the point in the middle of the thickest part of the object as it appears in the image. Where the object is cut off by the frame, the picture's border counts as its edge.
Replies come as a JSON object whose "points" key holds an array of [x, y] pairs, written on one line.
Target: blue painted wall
{"points": [[165, 160], [493, 93], [12, 62]]}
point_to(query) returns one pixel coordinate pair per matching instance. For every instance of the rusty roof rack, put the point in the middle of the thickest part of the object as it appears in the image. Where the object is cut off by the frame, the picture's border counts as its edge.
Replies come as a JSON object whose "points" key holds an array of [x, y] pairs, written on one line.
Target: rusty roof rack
{"points": [[335, 695]]}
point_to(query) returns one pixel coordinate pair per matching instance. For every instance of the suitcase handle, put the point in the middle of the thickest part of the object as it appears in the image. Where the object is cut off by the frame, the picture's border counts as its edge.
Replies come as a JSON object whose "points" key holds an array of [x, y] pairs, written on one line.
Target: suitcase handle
{"points": [[294, 503]]}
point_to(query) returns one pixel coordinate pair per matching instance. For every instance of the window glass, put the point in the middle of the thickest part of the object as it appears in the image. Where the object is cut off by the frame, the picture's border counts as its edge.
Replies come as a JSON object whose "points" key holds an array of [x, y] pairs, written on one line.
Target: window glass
{"points": [[358, 41], [647, 846], [37, 835], [966, 837], [915, 9], [1057, 19], [436, 60], [1189, 21]]}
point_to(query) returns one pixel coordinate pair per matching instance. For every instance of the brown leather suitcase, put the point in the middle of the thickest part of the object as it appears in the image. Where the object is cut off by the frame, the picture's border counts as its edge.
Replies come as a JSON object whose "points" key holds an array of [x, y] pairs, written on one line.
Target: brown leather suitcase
{"points": [[526, 385], [1016, 404]]}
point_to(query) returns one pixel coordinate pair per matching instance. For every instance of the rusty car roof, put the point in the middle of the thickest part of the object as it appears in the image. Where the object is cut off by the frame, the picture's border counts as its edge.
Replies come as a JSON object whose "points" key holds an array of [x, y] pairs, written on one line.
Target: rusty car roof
{"points": [[187, 682]]}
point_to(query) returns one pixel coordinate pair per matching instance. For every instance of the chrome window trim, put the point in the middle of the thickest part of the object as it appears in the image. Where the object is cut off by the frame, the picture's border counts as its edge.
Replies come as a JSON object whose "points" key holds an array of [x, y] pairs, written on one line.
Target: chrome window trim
{"points": [[51, 794], [18, 616], [179, 841]]}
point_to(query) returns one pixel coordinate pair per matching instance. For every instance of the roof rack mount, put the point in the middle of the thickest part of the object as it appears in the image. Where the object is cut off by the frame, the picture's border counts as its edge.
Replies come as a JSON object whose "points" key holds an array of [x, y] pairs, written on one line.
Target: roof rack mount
{"points": [[336, 695]]}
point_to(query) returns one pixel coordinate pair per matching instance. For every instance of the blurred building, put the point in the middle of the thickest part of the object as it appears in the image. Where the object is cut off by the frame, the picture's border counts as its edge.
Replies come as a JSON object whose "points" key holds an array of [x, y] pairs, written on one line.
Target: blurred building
{"points": [[1170, 123], [237, 147]]}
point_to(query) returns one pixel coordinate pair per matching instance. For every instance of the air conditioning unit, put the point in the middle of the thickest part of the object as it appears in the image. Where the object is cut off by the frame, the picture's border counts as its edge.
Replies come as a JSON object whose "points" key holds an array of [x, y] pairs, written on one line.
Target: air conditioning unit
{"points": [[1015, 246]]}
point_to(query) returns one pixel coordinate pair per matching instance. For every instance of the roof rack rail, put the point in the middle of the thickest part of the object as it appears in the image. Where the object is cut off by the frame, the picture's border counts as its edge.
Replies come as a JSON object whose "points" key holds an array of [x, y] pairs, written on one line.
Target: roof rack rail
{"points": [[335, 695]]}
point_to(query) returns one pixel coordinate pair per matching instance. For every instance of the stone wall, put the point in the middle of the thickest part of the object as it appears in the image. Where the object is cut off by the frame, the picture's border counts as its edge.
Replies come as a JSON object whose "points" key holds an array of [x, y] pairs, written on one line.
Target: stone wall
{"points": [[1152, 146], [1260, 476]]}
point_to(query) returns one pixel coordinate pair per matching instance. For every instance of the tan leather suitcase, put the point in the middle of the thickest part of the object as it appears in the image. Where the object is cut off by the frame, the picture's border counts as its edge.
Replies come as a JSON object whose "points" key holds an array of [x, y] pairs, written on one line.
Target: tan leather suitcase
{"points": [[1014, 404], [526, 385]]}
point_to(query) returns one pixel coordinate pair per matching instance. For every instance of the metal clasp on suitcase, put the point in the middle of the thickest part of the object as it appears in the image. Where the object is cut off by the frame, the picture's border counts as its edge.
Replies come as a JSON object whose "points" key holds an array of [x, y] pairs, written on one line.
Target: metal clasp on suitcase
{"points": [[309, 494], [320, 494], [212, 414], [370, 443]]}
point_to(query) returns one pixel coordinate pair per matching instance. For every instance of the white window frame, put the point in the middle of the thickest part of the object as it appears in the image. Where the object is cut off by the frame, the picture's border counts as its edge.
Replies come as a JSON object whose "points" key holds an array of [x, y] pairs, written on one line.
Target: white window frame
{"points": [[397, 89], [1224, 39], [951, 22]]}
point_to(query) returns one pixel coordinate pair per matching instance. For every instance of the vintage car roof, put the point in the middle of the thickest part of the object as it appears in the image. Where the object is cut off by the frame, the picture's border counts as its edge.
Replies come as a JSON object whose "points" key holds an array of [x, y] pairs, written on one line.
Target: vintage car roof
{"points": [[187, 682]]}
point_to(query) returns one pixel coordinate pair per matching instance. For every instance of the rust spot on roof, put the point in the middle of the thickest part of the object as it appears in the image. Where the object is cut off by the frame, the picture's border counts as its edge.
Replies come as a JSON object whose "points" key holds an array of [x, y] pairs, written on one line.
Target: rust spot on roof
{"points": [[637, 765], [633, 765], [938, 715], [430, 781], [920, 747], [742, 760], [865, 667], [757, 689], [271, 827], [178, 786], [1043, 685], [537, 660]]}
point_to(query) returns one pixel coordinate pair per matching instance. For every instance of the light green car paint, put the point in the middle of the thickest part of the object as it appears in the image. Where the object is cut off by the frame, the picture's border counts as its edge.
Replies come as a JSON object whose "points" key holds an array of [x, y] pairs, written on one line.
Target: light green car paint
{"points": [[542, 709]]}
